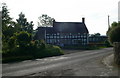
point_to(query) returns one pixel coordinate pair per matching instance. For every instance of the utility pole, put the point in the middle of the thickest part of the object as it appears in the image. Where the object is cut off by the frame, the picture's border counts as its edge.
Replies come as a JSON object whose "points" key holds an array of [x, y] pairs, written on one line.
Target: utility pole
{"points": [[118, 11], [108, 22]]}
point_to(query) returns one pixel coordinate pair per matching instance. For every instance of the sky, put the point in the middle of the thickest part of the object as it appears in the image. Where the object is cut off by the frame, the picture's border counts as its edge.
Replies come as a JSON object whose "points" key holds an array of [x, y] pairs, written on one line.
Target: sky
{"points": [[95, 12]]}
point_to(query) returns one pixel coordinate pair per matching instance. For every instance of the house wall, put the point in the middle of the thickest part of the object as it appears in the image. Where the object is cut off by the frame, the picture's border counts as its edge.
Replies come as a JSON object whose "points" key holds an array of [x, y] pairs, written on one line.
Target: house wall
{"points": [[64, 39], [40, 35]]}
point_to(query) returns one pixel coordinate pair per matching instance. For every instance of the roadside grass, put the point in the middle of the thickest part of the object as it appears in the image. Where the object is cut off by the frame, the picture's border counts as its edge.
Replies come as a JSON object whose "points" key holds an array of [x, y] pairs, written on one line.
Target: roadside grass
{"points": [[16, 59], [93, 47]]}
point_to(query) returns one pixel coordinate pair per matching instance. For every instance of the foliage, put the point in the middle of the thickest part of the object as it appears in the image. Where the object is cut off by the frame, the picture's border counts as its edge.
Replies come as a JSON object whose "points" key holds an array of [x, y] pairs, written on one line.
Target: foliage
{"points": [[34, 50], [113, 25], [23, 38], [23, 24], [17, 40], [107, 43], [95, 35], [114, 35], [7, 24], [45, 20]]}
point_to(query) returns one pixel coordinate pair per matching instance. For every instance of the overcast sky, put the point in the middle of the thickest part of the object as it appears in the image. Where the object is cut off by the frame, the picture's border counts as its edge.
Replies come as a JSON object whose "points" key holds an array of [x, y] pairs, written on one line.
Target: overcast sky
{"points": [[95, 11]]}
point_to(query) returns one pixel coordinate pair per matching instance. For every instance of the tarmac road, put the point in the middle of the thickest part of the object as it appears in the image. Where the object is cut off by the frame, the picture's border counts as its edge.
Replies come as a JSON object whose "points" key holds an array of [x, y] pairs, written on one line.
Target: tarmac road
{"points": [[77, 63]]}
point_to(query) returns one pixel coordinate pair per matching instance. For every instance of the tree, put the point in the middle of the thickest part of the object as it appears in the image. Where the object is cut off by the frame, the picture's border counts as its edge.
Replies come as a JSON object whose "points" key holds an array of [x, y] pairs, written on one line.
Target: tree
{"points": [[6, 19], [113, 25], [95, 35], [114, 35], [23, 24], [23, 38], [7, 23], [45, 21], [7, 28]]}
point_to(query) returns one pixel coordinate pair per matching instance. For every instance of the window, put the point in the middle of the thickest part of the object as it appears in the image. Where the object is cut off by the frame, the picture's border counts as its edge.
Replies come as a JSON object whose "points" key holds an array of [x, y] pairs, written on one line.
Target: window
{"points": [[84, 39], [76, 36], [51, 36], [47, 40], [61, 36], [65, 36], [73, 36], [54, 36], [47, 36], [50, 40], [68, 36], [58, 34], [84, 36], [55, 40]]}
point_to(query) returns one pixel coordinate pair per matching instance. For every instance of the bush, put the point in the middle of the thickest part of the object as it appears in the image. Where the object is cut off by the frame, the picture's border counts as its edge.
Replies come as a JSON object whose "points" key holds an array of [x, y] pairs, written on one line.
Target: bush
{"points": [[23, 38], [114, 35], [48, 51], [35, 49], [107, 43]]}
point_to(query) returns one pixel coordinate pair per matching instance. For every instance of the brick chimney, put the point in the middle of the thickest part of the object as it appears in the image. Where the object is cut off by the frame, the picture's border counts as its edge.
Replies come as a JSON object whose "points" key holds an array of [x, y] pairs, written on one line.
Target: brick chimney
{"points": [[83, 20]]}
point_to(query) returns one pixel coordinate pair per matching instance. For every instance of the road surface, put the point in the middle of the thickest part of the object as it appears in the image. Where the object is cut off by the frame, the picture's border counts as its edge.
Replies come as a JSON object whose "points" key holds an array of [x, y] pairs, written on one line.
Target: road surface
{"points": [[77, 63]]}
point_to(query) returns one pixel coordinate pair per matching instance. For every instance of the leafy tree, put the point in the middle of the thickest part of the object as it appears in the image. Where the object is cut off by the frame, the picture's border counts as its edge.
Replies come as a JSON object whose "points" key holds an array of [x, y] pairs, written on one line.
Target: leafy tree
{"points": [[7, 28], [96, 35], [6, 19], [45, 20], [114, 35], [23, 24], [7, 23], [113, 25]]}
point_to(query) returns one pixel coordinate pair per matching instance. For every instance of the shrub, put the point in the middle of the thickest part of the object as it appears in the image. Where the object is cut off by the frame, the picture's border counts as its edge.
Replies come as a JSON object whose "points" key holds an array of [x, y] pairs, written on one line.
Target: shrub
{"points": [[23, 38], [114, 35], [48, 51], [35, 49], [107, 43]]}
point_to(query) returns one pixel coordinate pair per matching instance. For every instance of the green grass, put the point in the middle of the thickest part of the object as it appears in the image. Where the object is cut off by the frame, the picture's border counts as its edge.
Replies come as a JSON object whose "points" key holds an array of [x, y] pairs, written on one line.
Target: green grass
{"points": [[93, 47], [16, 59]]}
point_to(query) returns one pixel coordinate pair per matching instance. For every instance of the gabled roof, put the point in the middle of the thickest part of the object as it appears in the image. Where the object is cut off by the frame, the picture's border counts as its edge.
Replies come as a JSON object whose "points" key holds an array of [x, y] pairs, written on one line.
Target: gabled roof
{"points": [[70, 27], [66, 27]]}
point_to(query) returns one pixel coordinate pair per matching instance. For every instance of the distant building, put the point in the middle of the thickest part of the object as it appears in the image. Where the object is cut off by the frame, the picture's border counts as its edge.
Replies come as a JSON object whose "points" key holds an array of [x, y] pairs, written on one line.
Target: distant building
{"points": [[64, 33], [97, 39]]}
